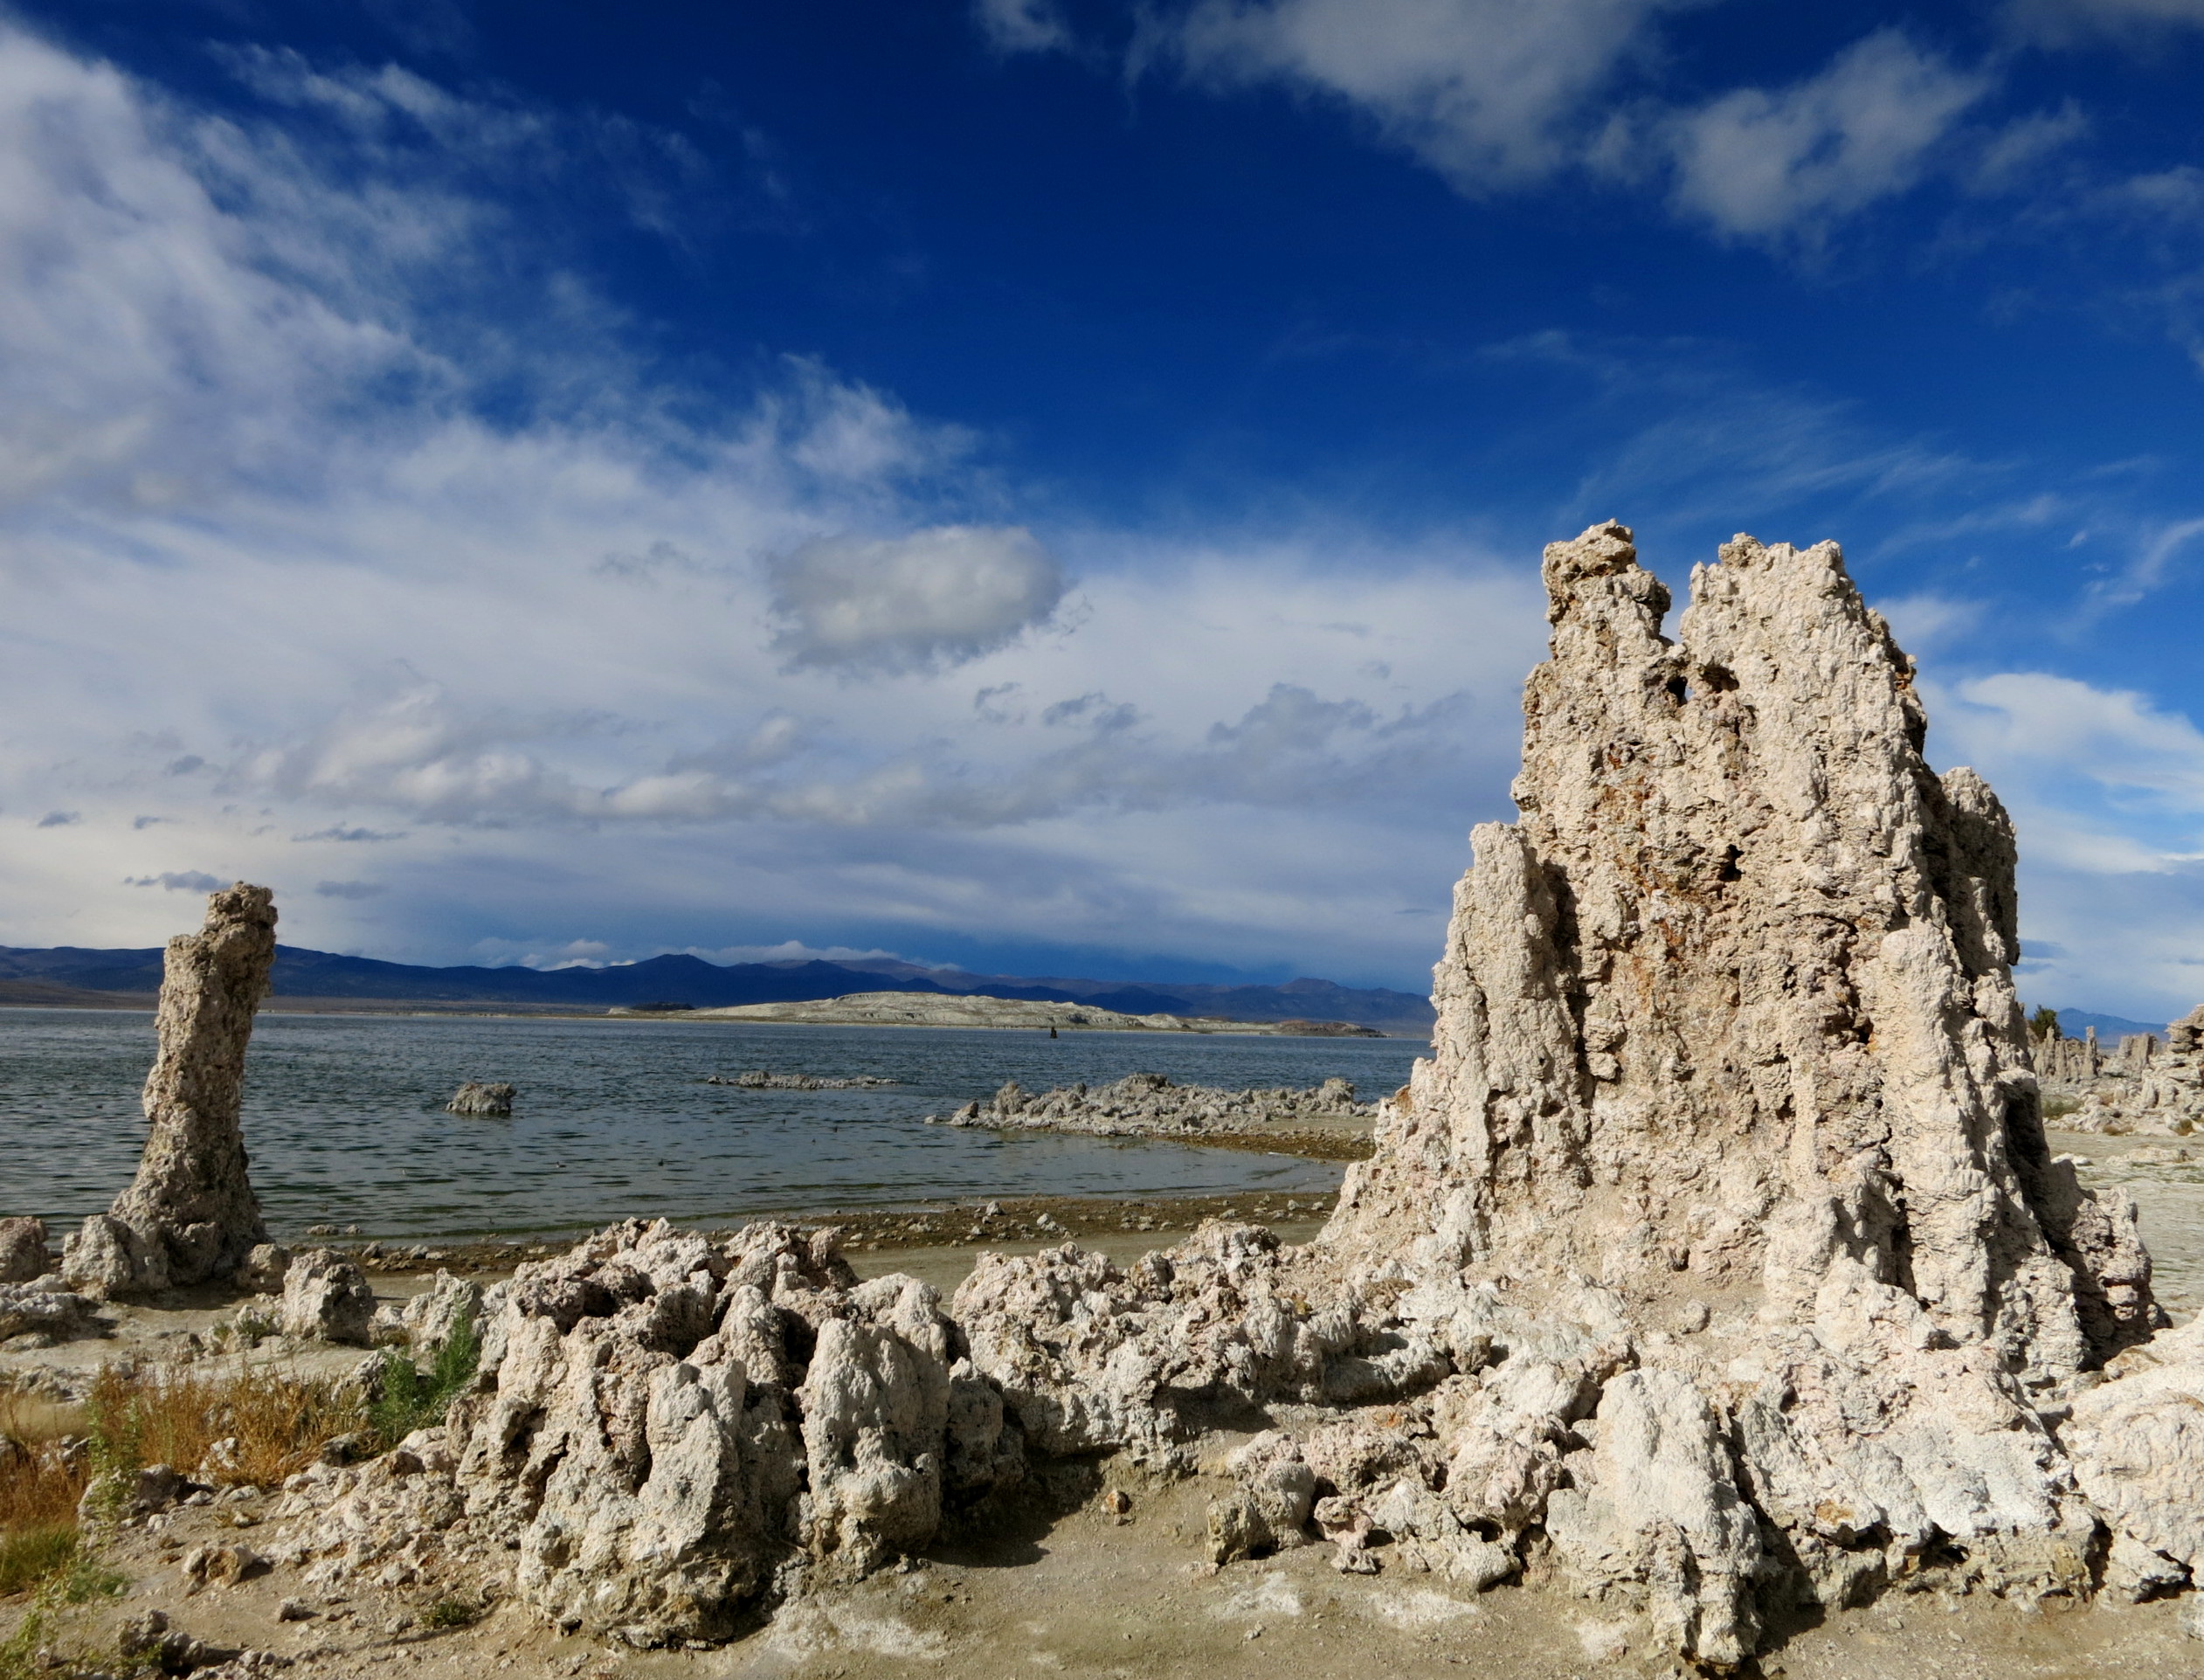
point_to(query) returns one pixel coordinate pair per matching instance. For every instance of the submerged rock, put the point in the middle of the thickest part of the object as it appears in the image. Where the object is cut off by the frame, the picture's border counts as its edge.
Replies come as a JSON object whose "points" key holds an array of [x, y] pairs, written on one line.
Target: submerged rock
{"points": [[477, 1097], [191, 1215]]}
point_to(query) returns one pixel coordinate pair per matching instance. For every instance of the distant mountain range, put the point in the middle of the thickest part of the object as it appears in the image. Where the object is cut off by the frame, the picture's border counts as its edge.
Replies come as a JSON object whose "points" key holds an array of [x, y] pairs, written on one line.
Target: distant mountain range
{"points": [[2111, 1029], [66, 974]]}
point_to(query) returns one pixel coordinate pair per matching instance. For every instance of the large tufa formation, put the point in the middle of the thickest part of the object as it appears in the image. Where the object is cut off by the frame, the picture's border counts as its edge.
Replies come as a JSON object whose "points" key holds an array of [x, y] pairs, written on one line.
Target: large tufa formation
{"points": [[191, 1215], [1730, 1008], [1716, 1256]]}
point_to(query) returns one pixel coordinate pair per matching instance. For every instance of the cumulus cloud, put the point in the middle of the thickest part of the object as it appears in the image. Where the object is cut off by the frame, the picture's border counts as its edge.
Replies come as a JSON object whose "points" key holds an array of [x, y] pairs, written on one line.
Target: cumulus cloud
{"points": [[181, 881], [1490, 93], [1760, 164], [925, 601]]}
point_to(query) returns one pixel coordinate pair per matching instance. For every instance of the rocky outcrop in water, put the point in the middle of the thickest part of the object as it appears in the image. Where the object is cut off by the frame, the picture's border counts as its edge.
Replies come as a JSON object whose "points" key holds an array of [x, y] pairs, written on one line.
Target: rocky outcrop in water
{"points": [[1149, 1105], [190, 1215], [476, 1097], [758, 1080], [2146, 1086]]}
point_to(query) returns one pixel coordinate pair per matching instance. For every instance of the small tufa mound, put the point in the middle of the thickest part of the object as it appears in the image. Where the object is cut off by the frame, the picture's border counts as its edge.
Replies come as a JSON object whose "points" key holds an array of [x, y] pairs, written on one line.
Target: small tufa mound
{"points": [[326, 1298], [674, 1435], [477, 1097], [23, 1255]]}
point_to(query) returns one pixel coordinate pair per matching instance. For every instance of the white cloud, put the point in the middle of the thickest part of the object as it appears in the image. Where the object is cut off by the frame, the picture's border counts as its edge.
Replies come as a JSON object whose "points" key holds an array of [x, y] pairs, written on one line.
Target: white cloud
{"points": [[277, 579], [2079, 22], [1023, 25], [1764, 165], [1490, 93], [2107, 791], [1926, 620], [924, 602]]}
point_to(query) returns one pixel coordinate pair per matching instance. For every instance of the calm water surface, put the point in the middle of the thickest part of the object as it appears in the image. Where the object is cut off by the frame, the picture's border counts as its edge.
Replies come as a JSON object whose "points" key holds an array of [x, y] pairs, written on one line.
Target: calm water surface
{"points": [[344, 1118]]}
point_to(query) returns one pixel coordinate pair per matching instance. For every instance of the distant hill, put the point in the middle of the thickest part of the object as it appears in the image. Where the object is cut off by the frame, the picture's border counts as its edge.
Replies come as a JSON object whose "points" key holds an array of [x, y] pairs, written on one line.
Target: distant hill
{"points": [[45, 976], [2111, 1029]]}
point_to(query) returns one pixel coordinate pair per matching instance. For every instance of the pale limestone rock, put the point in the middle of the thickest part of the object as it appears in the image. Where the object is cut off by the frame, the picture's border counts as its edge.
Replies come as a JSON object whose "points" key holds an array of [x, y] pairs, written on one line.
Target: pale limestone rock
{"points": [[433, 1317], [22, 1250], [326, 1298], [1090, 1358], [1146, 1105], [43, 1306], [263, 1269], [2138, 1443], [191, 1215], [673, 1434], [1269, 1510], [493, 1099]]}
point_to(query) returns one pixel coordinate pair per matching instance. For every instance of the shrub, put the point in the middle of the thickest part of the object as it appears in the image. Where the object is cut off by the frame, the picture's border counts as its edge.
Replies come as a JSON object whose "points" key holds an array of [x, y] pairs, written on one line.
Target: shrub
{"points": [[412, 1399], [452, 1613]]}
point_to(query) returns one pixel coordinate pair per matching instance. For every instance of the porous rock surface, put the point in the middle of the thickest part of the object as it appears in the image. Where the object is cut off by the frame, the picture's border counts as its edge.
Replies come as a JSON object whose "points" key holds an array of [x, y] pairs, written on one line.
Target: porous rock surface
{"points": [[22, 1250], [493, 1098], [673, 1434], [191, 1215], [1142, 1105], [326, 1298], [43, 1306]]}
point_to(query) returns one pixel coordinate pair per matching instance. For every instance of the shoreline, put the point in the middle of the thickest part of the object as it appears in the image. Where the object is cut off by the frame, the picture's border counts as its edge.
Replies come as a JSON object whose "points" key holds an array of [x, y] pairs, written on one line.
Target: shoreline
{"points": [[938, 1229], [133, 1003]]}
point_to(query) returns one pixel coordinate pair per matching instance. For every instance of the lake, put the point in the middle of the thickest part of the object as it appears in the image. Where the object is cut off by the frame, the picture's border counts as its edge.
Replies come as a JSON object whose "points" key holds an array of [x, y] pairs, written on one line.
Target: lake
{"points": [[345, 1122]]}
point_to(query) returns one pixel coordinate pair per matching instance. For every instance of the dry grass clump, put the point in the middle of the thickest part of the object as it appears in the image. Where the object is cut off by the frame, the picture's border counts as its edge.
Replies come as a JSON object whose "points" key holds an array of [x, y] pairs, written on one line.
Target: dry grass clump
{"points": [[255, 1427], [43, 1474]]}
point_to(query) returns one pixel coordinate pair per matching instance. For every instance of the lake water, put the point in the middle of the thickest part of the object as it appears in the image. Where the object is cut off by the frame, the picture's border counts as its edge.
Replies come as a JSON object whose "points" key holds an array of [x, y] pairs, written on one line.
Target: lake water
{"points": [[345, 1124]]}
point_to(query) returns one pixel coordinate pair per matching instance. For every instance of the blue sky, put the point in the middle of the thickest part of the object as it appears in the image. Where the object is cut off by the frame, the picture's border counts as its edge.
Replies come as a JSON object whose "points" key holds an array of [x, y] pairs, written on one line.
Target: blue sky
{"points": [[1050, 488]]}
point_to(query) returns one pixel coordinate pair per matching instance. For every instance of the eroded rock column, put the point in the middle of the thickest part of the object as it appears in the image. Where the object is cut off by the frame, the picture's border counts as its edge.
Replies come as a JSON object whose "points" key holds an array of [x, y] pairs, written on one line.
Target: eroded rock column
{"points": [[191, 1215]]}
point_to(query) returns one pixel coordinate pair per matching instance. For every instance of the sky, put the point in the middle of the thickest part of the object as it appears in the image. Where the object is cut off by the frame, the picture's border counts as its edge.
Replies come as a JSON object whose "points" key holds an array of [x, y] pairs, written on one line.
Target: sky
{"points": [[1050, 488]]}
